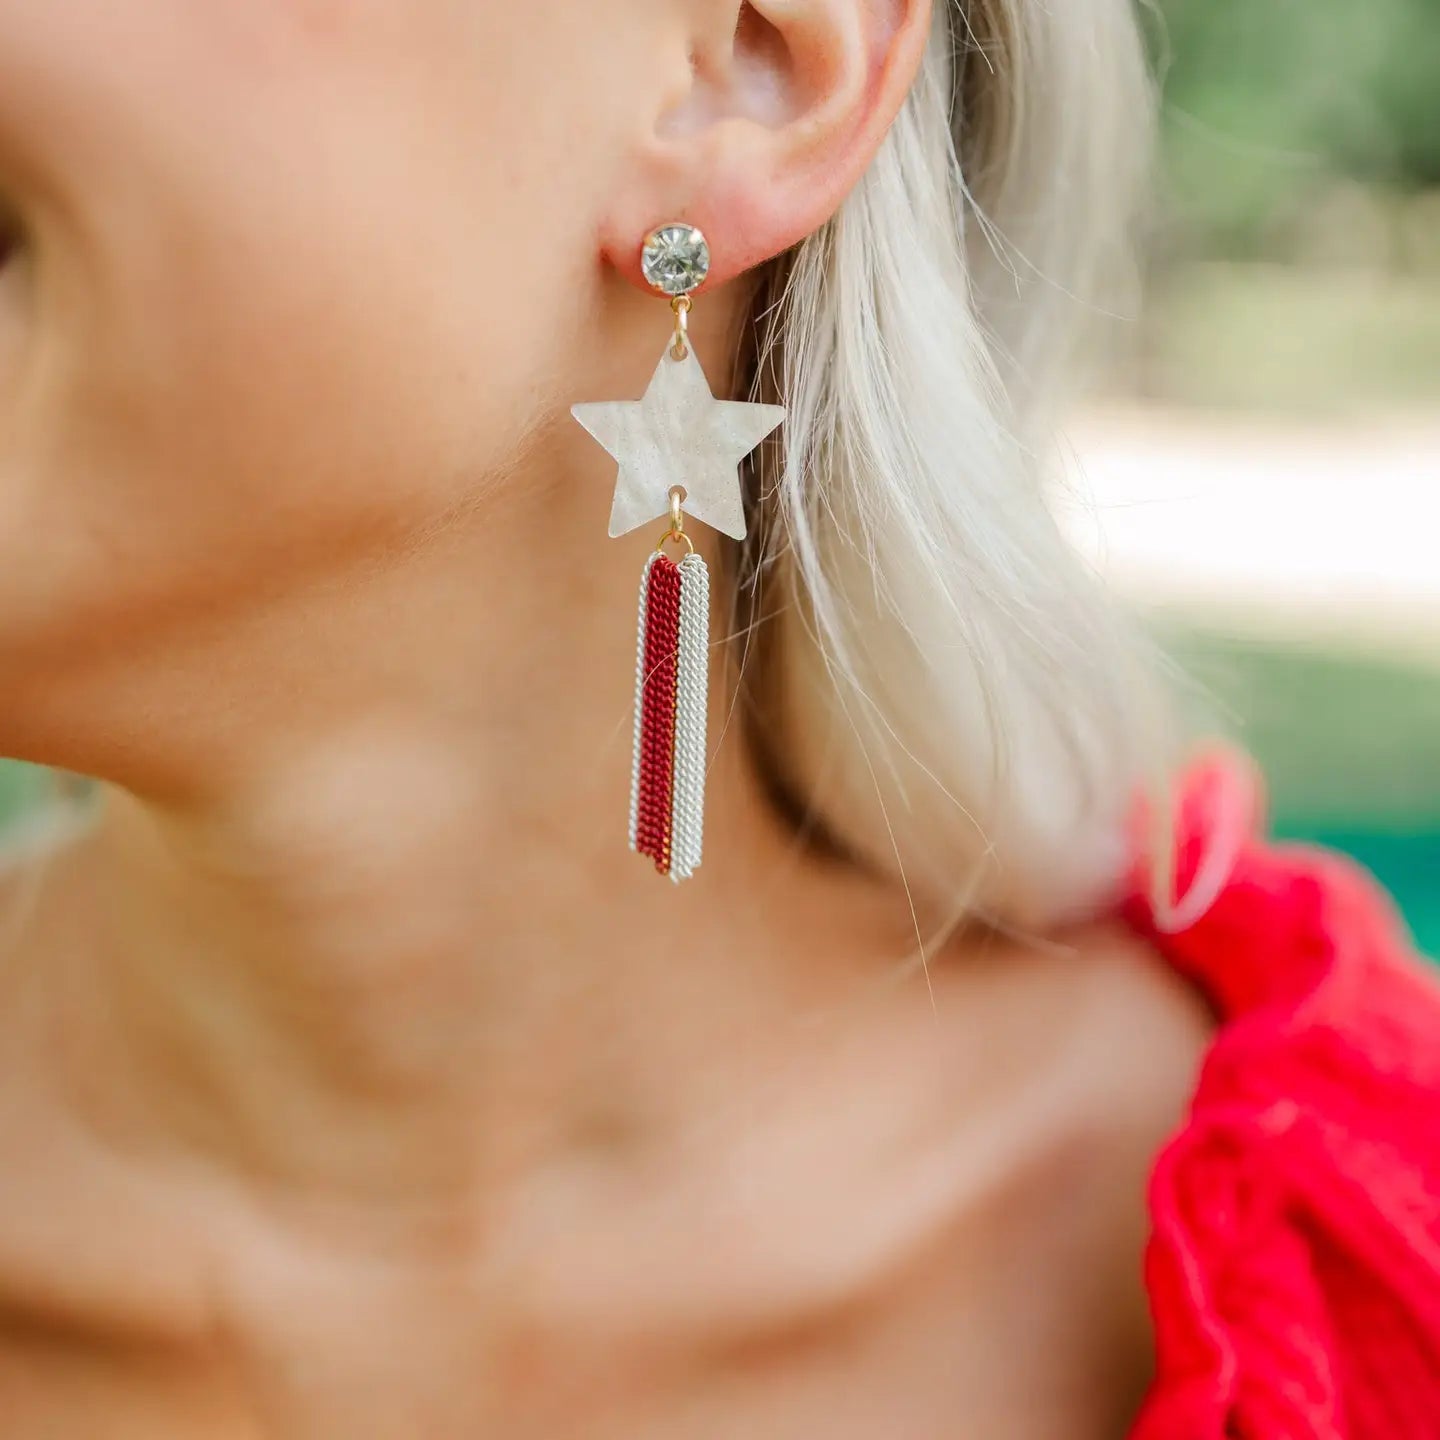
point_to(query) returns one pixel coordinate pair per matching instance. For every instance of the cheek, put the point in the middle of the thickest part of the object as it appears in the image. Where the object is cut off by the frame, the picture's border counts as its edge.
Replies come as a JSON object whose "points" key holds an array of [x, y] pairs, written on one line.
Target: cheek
{"points": [[300, 283]]}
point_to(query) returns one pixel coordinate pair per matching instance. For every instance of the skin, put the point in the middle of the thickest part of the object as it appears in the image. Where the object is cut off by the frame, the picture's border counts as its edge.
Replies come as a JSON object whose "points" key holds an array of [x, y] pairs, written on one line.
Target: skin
{"points": [[355, 1081]]}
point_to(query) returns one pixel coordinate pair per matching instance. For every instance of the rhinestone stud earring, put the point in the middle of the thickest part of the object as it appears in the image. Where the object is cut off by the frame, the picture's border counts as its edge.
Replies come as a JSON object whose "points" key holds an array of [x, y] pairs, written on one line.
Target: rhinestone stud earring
{"points": [[679, 451]]}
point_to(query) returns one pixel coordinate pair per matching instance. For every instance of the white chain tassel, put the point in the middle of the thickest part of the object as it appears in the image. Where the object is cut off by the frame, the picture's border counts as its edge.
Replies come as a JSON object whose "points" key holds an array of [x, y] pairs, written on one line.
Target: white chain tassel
{"points": [[691, 713]]}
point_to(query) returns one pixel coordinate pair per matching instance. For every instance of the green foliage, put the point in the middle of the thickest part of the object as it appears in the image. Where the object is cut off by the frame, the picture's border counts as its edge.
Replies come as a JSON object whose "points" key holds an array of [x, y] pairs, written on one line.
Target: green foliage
{"points": [[22, 788], [1350, 747], [1270, 102]]}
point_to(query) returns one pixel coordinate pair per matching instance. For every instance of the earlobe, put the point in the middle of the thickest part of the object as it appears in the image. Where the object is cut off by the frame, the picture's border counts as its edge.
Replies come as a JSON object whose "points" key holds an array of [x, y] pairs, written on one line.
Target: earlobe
{"points": [[788, 102]]}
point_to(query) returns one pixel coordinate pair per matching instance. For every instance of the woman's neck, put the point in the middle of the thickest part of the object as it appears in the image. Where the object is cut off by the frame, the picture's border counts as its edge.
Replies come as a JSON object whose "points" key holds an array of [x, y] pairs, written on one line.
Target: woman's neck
{"points": [[389, 939]]}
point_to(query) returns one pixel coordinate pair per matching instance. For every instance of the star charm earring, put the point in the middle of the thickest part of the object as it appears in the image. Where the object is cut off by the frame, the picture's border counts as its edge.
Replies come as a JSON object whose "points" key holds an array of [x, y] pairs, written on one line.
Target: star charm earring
{"points": [[679, 449], [678, 431]]}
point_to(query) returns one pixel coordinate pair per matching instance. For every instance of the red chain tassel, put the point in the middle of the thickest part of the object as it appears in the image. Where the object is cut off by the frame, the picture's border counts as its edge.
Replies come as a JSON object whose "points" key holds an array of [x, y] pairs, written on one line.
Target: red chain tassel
{"points": [[653, 824]]}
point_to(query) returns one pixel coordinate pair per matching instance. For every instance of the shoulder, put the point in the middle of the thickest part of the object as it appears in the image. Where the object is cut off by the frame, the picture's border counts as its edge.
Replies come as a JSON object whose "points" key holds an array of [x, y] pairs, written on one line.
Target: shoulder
{"points": [[1294, 1261]]}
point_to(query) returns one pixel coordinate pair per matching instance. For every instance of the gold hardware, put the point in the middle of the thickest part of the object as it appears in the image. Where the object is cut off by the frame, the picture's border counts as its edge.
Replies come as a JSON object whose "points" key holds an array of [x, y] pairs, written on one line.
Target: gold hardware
{"points": [[676, 529], [680, 348]]}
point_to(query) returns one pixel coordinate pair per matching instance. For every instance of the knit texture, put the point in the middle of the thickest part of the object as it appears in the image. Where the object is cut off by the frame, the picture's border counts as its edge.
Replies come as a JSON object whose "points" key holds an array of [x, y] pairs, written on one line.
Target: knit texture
{"points": [[1294, 1261]]}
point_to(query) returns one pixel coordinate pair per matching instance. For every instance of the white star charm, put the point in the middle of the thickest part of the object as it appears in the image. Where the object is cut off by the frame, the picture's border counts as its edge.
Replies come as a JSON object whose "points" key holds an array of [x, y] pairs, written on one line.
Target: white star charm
{"points": [[678, 433]]}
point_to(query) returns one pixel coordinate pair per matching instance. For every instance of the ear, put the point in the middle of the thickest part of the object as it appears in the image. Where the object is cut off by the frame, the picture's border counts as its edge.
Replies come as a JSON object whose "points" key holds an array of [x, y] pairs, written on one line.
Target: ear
{"points": [[785, 105]]}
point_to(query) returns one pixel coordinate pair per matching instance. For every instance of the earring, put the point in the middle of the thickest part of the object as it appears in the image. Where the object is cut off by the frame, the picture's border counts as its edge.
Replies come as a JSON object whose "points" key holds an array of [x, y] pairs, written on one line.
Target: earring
{"points": [[679, 451]]}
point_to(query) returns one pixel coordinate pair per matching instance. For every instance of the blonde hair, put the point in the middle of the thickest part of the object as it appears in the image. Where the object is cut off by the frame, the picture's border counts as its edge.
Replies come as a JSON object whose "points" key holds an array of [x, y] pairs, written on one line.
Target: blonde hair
{"points": [[942, 686]]}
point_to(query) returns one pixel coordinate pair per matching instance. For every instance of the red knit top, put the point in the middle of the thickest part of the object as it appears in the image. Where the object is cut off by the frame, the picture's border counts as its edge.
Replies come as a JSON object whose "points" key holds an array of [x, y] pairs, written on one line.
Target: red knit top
{"points": [[1294, 1261]]}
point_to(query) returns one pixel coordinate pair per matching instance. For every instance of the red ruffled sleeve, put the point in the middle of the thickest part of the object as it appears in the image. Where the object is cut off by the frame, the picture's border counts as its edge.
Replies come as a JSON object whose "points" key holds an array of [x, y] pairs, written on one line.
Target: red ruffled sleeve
{"points": [[1294, 1262]]}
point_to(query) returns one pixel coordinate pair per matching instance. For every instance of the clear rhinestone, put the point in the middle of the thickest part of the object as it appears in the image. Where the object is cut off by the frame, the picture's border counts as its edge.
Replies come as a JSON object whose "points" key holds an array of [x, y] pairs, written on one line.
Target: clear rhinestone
{"points": [[675, 259]]}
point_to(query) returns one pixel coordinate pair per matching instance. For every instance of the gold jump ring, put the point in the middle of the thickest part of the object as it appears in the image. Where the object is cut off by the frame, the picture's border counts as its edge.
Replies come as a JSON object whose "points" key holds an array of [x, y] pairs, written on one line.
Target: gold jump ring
{"points": [[680, 305], [676, 530]]}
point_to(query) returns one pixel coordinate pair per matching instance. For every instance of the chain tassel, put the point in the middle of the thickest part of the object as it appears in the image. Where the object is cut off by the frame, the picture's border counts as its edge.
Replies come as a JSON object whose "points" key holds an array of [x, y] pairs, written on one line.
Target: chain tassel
{"points": [[667, 788]]}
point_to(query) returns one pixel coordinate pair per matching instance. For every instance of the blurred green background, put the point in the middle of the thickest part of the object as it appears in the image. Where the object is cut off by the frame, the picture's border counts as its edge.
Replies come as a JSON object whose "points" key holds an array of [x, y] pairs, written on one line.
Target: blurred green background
{"points": [[1297, 259], [1294, 304]]}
